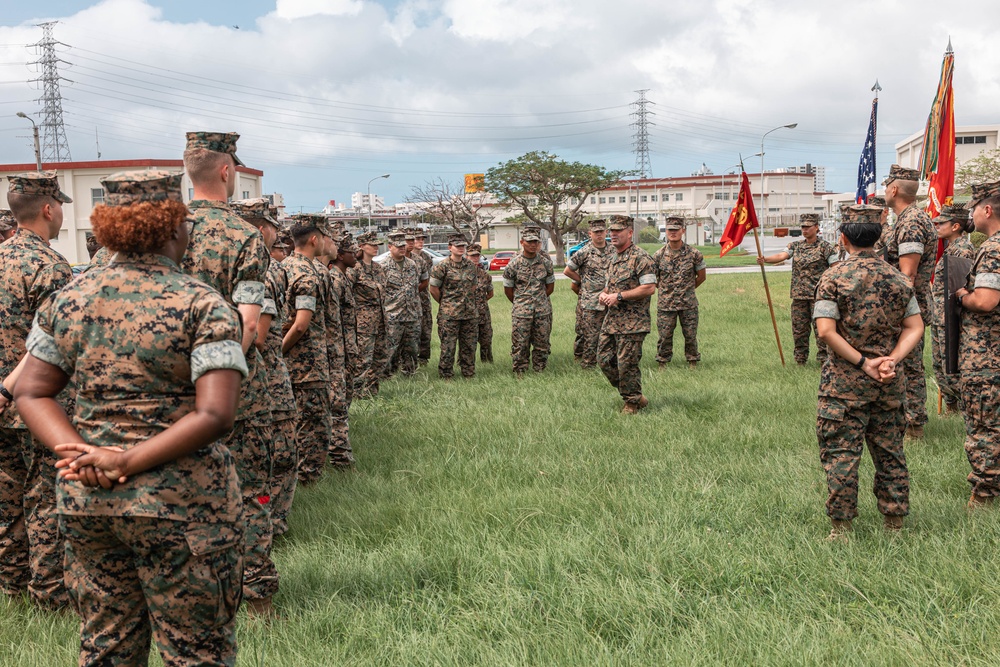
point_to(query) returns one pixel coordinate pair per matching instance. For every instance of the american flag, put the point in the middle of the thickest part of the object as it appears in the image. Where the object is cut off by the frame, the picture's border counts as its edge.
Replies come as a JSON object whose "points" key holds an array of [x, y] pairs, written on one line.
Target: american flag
{"points": [[866, 168]]}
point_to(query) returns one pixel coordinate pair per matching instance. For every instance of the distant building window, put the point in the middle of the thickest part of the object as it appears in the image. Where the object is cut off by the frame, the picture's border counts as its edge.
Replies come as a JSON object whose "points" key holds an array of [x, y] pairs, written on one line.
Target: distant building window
{"points": [[593, 200], [643, 197], [718, 195], [709, 196], [96, 196], [652, 198], [631, 199], [246, 194], [621, 200], [981, 139], [679, 196], [603, 200]]}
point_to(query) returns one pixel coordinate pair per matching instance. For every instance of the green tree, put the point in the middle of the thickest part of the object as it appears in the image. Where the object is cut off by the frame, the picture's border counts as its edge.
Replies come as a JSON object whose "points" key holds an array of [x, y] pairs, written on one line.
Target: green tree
{"points": [[548, 191], [983, 167]]}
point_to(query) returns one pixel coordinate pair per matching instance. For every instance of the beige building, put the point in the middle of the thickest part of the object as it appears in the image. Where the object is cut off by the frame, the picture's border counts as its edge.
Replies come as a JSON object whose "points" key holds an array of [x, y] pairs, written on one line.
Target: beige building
{"points": [[970, 141], [82, 182]]}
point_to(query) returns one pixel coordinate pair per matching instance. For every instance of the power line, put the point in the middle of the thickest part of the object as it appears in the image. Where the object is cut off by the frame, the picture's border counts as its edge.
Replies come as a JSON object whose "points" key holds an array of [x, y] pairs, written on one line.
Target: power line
{"points": [[640, 140], [55, 147]]}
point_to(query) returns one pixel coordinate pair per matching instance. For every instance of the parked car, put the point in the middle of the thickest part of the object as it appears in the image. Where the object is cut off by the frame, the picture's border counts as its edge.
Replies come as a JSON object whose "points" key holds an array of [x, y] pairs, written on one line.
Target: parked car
{"points": [[437, 257], [579, 246], [501, 260]]}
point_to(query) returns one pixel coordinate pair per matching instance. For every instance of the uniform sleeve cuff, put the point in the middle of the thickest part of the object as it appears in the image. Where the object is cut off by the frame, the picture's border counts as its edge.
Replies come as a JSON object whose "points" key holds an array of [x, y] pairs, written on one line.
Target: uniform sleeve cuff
{"points": [[305, 303], [648, 279], [549, 280], [270, 307], [988, 280], [912, 308], [826, 309], [832, 259], [249, 292], [43, 346], [220, 355], [701, 266], [436, 283], [911, 248], [508, 283], [572, 266]]}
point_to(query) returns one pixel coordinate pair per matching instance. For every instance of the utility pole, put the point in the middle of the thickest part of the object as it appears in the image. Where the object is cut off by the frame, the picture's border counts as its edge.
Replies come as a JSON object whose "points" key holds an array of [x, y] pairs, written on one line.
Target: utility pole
{"points": [[55, 147], [640, 140], [34, 131]]}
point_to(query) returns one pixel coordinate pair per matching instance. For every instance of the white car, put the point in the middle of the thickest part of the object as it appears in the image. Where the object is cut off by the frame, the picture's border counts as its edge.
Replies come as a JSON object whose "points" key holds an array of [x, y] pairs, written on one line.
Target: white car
{"points": [[438, 257]]}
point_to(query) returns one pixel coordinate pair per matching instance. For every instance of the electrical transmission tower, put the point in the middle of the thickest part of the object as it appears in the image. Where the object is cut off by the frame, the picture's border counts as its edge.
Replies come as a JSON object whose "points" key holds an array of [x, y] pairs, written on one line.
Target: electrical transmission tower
{"points": [[55, 148], [640, 140]]}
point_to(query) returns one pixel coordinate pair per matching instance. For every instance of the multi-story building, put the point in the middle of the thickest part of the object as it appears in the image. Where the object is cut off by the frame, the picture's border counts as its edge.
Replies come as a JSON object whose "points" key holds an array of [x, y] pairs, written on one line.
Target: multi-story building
{"points": [[970, 141], [360, 202]]}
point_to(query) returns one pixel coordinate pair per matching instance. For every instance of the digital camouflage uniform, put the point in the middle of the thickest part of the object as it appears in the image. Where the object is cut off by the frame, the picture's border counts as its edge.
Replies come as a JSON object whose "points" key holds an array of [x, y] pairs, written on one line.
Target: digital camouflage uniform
{"points": [[619, 348], [30, 271], [809, 261], [959, 247], [402, 313], [979, 368], [484, 335], [425, 263], [531, 316], [341, 453], [367, 284], [163, 549], [284, 464], [340, 444], [309, 367], [676, 271], [458, 318], [229, 254], [591, 263], [914, 233], [869, 300]]}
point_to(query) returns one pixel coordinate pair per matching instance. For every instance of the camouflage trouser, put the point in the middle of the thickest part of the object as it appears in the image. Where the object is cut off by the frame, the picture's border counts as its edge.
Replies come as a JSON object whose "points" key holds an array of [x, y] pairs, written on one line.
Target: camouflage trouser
{"points": [[916, 385], [802, 324], [981, 409], [426, 327], [947, 383], [619, 355], [252, 449], [485, 335], [373, 361], [588, 324], [14, 571], [577, 335], [666, 322], [283, 470], [843, 428], [402, 342], [466, 334], [132, 577], [313, 425], [529, 336], [340, 438], [31, 548]]}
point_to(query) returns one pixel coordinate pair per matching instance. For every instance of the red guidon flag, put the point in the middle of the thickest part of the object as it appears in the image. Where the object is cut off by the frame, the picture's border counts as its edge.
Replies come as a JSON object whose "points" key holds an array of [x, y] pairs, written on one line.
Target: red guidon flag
{"points": [[741, 220]]}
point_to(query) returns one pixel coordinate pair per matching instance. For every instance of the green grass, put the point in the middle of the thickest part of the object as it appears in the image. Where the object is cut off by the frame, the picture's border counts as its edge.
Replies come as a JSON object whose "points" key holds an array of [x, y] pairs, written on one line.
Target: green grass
{"points": [[504, 522], [735, 257]]}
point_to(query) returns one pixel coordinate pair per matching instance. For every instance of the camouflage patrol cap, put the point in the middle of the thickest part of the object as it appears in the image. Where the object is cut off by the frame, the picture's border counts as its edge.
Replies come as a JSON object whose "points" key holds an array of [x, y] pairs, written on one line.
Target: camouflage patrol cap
{"points": [[618, 223], [674, 223], [408, 234], [845, 208], [283, 242], [132, 187], [809, 219], [368, 238], [474, 248], [598, 225], [93, 245], [6, 220], [217, 142], [877, 200], [861, 213], [419, 233], [317, 220], [347, 244], [952, 213], [981, 191], [38, 184], [897, 173], [397, 239], [531, 234], [255, 211], [458, 240]]}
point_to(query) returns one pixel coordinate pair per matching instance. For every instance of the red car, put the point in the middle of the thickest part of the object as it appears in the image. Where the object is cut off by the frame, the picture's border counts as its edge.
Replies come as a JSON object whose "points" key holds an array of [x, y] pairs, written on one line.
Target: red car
{"points": [[501, 260]]}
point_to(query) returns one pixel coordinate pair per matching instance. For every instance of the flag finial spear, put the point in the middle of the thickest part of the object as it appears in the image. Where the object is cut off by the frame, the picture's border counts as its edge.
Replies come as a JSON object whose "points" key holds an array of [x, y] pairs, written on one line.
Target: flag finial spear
{"points": [[949, 45], [876, 88]]}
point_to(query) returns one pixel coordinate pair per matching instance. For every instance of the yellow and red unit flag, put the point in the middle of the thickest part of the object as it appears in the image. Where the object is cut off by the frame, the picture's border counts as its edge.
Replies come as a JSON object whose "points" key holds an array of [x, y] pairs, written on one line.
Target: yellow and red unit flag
{"points": [[741, 220]]}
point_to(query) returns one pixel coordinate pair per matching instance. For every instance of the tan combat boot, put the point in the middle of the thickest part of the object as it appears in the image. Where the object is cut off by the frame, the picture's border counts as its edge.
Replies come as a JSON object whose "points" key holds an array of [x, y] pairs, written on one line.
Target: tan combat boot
{"points": [[839, 531], [914, 432], [260, 608], [980, 502], [892, 524], [633, 408]]}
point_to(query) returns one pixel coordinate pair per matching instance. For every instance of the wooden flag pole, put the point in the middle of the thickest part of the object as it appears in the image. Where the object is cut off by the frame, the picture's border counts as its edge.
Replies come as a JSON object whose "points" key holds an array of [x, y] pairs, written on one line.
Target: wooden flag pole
{"points": [[770, 304]]}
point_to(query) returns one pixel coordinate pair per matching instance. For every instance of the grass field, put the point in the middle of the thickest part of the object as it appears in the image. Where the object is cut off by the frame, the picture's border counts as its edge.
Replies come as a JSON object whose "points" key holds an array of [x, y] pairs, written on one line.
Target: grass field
{"points": [[504, 522]]}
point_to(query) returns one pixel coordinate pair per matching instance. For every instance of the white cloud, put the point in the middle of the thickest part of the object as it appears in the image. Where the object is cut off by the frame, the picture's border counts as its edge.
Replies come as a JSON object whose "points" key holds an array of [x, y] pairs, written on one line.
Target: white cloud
{"points": [[298, 9]]}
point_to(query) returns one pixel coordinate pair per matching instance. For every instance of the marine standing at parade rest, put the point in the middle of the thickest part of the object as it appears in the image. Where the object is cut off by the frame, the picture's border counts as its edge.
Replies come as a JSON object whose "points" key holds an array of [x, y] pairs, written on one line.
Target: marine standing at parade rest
{"points": [[952, 224], [868, 316], [304, 347], [979, 350], [425, 262], [631, 282], [229, 254], [528, 280], [810, 256], [680, 270], [402, 307], [7, 224], [148, 496], [342, 454], [484, 292], [284, 458], [588, 269], [453, 285], [911, 247], [31, 549], [367, 280]]}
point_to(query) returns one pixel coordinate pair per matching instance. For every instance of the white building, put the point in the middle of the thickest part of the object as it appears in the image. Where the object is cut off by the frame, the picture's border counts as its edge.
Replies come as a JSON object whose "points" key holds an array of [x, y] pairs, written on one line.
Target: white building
{"points": [[82, 182], [359, 202], [970, 141]]}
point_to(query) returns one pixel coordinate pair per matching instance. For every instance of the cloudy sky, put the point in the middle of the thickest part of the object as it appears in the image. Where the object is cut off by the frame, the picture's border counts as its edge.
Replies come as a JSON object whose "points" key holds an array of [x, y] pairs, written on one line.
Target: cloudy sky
{"points": [[330, 93]]}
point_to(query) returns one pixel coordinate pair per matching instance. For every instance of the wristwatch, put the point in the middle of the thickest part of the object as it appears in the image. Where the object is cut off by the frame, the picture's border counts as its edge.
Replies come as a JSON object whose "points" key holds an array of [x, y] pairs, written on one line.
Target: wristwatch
{"points": [[619, 297], [6, 394]]}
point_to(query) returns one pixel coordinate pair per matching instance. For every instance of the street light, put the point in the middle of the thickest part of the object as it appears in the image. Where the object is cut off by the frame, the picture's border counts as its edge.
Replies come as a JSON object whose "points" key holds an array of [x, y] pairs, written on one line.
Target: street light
{"points": [[370, 199], [790, 126], [34, 130]]}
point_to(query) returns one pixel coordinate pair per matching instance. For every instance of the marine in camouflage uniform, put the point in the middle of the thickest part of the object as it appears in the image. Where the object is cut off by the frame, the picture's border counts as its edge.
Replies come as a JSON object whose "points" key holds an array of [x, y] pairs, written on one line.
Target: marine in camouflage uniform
{"points": [[867, 301], [883, 240], [484, 292], [979, 350], [160, 554], [229, 254], [680, 269], [453, 285], [528, 282], [959, 246], [31, 549], [342, 454], [7, 224], [425, 262], [630, 284], [810, 258], [913, 235], [588, 268], [402, 308], [367, 280]]}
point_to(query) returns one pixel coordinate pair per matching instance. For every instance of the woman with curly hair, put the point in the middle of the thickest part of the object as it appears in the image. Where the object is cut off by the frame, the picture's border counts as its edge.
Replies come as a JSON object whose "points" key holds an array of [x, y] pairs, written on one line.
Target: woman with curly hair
{"points": [[148, 497]]}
